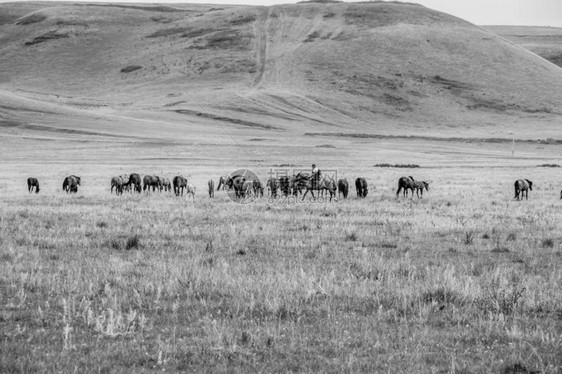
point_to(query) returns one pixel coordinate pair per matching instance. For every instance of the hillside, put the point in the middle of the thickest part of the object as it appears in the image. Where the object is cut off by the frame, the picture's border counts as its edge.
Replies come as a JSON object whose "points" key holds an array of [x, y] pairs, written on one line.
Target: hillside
{"points": [[178, 72], [544, 41]]}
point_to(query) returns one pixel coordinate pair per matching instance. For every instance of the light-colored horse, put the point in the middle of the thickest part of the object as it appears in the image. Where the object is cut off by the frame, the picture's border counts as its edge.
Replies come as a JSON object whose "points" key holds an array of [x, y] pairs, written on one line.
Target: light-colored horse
{"points": [[321, 184]]}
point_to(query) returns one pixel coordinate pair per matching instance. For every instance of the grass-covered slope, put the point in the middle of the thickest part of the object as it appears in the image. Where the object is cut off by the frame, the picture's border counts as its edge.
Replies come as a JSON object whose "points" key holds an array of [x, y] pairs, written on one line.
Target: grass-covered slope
{"points": [[352, 67]]}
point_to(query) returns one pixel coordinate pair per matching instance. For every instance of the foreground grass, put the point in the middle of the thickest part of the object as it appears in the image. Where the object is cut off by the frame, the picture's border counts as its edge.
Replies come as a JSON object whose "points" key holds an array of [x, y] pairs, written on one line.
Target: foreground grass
{"points": [[450, 284]]}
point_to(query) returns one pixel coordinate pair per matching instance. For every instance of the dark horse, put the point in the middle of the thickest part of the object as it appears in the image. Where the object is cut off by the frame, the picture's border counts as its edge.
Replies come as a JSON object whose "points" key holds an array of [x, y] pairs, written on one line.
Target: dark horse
{"points": [[32, 182], [285, 185], [343, 188], [361, 187], [258, 188], [236, 182], [318, 184], [223, 181], [179, 183], [272, 186], [211, 185], [522, 187], [419, 186], [71, 184], [405, 184], [151, 181], [135, 182]]}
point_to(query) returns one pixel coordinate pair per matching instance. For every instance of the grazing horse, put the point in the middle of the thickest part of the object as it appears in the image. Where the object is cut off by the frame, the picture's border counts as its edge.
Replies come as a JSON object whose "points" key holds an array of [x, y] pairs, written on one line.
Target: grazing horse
{"points": [[134, 183], [70, 184], [166, 185], [247, 189], [419, 186], [223, 181], [272, 186], [258, 188], [405, 184], [236, 182], [126, 185], [211, 185], [190, 190], [31, 183], [319, 184], [343, 188], [151, 181], [285, 185], [179, 184], [117, 183], [522, 187], [361, 187]]}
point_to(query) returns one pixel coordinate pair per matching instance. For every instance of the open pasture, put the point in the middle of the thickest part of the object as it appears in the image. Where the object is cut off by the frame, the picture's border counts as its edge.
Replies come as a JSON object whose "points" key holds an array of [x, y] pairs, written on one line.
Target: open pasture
{"points": [[464, 280]]}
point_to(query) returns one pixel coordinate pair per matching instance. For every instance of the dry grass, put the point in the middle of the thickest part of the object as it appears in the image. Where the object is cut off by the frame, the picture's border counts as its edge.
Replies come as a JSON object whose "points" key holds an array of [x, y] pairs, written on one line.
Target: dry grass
{"points": [[100, 282]]}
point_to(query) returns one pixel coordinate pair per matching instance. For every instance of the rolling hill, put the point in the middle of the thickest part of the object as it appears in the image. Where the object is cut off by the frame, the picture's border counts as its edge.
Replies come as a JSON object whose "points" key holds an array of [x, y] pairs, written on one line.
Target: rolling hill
{"points": [[185, 72]]}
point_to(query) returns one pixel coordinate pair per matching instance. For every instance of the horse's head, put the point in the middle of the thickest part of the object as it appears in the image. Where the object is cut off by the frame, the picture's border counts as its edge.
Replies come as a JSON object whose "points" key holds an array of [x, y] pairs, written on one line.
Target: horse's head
{"points": [[530, 184], [426, 185]]}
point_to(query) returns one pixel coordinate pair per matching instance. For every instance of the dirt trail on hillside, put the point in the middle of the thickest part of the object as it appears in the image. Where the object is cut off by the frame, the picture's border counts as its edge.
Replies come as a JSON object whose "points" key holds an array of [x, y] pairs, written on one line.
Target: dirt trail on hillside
{"points": [[261, 44]]}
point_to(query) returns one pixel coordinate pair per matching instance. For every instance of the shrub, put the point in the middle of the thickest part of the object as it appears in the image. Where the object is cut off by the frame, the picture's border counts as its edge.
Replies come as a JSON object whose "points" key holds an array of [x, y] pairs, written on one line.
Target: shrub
{"points": [[130, 68]]}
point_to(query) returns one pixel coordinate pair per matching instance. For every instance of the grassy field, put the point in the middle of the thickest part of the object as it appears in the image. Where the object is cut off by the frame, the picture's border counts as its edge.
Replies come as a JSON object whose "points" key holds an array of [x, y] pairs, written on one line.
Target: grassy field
{"points": [[464, 280]]}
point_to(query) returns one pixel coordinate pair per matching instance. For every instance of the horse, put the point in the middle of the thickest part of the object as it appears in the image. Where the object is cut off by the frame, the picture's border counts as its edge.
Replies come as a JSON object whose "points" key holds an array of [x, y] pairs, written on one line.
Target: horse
{"points": [[179, 183], [32, 183], [258, 188], [70, 184], [405, 184], [237, 183], [223, 181], [166, 185], [323, 183], [211, 185], [126, 186], [247, 189], [190, 190], [272, 186], [117, 183], [151, 181], [361, 187], [419, 186], [134, 182], [343, 188], [522, 187], [285, 185]]}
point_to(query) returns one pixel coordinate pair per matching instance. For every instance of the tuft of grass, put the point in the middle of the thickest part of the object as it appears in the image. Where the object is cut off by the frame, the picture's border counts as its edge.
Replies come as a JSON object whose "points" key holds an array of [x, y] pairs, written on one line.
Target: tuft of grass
{"points": [[547, 243], [352, 237], [101, 224], [133, 242]]}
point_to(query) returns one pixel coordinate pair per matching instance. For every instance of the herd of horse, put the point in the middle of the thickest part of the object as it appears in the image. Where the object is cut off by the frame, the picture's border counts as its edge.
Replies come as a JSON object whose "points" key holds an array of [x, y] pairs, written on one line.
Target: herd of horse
{"points": [[247, 187]]}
